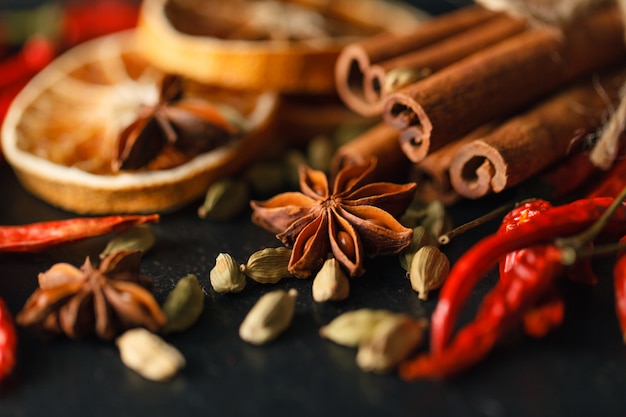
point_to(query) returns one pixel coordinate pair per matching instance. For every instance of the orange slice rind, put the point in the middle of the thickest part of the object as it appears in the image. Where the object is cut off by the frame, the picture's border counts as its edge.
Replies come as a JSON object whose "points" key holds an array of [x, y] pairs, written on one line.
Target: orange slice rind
{"points": [[59, 132], [303, 66]]}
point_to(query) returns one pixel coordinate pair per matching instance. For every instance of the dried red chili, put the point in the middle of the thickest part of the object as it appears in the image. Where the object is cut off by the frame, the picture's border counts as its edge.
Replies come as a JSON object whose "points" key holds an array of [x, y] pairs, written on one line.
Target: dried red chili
{"points": [[8, 341], [503, 309], [43, 235], [619, 285], [87, 20], [546, 315], [534, 273]]}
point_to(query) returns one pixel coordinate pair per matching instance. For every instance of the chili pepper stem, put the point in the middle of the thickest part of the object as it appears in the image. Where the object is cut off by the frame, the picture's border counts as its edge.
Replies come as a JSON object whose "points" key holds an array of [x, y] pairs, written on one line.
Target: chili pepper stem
{"points": [[573, 246], [445, 238]]}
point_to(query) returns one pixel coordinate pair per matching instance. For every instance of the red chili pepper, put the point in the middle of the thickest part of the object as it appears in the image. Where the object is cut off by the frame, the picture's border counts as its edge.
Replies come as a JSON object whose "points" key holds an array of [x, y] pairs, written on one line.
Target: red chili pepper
{"points": [[548, 311], [547, 314], [503, 309], [612, 182], [619, 284], [43, 235], [560, 221], [86, 20], [8, 341]]}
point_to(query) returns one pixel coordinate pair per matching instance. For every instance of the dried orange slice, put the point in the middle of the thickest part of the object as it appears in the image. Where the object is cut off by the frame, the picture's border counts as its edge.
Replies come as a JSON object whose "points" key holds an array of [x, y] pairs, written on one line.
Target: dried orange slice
{"points": [[288, 46], [60, 132]]}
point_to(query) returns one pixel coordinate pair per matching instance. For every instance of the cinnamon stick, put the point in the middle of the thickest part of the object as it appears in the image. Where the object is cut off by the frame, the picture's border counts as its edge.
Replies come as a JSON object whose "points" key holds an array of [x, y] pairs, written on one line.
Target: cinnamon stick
{"points": [[355, 59], [432, 173], [430, 59], [528, 143], [502, 79], [380, 142]]}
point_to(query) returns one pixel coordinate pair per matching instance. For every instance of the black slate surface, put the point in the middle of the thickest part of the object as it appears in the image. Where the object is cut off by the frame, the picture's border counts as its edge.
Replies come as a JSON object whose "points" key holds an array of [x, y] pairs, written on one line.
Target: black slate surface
{"points": [[579, 370]]}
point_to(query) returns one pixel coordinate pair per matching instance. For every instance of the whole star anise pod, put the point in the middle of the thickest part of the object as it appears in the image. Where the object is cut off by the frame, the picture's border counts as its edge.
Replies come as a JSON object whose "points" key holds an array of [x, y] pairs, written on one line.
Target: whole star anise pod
{"points": [[353, 220], [181, 126], [103, 301]]}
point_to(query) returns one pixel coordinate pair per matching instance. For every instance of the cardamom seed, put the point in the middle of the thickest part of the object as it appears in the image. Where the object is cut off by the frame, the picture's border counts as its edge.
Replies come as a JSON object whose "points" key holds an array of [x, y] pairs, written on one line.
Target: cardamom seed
{"points": [[392, 340], [421, 237], [330, 283], [183, 304], [429, 269], [269, 317], [226, 275], [149, 355], [269, 265], [351, 328], [225, 199], [138, 237]]}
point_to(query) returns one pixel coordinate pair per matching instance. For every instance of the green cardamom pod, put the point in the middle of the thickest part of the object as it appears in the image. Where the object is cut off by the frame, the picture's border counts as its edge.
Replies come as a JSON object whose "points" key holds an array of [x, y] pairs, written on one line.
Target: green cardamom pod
{"points": [[291, 162], [269, 265], [265, 178], [393, 340], [226, 275], [183, 304], [137, 238], [269, 317], [149, 355], [421, 238], [320, 151], [225, 199], [351, 328]]}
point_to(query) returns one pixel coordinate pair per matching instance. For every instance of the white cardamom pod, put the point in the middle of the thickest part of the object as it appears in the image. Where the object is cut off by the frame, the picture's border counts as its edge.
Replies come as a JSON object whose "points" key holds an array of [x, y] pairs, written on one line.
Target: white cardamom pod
{"points": [[184, 304], [421, 237], [269, 317], [330, 283], [269, 265], [226, 275], [392, 341], [149, 355], [352, 327], [429, 269]]}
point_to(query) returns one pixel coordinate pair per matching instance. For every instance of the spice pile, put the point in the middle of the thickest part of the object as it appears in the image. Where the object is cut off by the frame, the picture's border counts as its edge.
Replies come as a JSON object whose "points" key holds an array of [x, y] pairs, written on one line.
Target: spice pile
{"points": [[464, 100], [165, 133]]}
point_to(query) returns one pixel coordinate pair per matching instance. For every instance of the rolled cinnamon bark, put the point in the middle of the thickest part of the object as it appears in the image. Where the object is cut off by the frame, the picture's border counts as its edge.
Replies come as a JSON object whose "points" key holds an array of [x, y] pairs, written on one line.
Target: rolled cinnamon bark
{"points": [[425, 61], [380, 142], [354, 60], [528, 143], [502, 79], [432, 174]]}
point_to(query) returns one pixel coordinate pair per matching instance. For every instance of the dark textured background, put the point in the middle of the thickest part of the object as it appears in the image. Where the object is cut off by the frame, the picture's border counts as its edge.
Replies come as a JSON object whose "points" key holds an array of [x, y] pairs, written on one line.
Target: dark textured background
{"points": [[579, 370]]}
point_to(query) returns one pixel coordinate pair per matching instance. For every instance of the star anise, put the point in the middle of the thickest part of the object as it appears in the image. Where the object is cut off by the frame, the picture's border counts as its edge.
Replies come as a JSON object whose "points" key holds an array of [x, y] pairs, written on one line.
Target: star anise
{"points": [[182, 126], [103, 301], [353, 220]]}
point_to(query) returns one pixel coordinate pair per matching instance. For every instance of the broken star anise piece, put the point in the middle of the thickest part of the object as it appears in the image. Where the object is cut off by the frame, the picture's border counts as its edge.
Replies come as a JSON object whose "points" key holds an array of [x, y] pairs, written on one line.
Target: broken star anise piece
{"points": [[182, 125], [353, 220], [103, 301]]}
